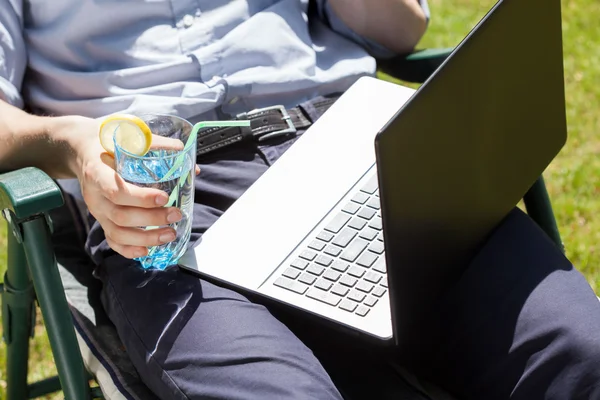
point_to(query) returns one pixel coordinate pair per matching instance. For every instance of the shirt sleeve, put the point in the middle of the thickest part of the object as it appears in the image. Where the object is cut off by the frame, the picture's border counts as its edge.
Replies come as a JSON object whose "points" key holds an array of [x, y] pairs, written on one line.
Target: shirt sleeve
{"points": [[375, 49], [13, 56]]}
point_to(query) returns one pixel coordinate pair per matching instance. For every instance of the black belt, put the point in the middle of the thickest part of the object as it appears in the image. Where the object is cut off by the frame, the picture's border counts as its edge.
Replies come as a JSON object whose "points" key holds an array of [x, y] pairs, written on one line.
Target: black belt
{"points": [[265, 123]]}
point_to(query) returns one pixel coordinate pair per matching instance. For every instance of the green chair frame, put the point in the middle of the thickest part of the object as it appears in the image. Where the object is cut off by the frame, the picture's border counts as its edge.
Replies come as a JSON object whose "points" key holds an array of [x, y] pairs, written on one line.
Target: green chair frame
{"points": [[26, 197]]}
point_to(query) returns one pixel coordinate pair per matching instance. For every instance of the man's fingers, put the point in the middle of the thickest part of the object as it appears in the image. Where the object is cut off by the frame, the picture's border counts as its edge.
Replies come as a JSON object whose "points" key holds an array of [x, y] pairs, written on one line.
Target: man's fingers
{"points": [[127, 236], [165, 143], [122, 193], [135, 216], [128, 251]]}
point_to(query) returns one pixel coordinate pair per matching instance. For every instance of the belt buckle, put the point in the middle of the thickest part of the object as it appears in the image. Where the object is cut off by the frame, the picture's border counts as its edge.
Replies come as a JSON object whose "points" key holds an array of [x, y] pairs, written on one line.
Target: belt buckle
{"points": [[284, 116]]}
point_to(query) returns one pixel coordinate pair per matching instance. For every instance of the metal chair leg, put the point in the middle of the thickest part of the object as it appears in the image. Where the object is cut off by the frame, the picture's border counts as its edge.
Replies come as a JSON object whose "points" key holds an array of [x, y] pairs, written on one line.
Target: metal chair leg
{"points": [[18, 314]]}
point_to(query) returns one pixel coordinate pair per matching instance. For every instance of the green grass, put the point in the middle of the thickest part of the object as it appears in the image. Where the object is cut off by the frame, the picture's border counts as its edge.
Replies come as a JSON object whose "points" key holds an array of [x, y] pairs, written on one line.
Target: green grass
{"points": [[573, 179]]}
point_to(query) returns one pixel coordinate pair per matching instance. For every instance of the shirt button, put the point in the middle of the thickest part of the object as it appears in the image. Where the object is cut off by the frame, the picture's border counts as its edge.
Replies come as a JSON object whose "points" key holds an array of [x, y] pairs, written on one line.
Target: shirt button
{"points": [[188, 20]]}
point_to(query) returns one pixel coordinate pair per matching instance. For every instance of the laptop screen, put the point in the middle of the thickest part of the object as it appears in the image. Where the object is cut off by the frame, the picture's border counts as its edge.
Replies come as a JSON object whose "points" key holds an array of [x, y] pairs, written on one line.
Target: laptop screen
{"points": [[465, 149]]}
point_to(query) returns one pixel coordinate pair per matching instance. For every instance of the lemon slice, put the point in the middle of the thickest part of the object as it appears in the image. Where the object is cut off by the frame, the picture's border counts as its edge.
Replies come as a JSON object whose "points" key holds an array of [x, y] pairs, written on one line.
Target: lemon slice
{"points": [[130, 132]]}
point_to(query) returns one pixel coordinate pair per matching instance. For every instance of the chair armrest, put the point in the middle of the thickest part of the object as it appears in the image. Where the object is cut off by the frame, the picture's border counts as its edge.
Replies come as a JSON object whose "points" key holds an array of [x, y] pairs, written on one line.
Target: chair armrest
{"points": [[28, 191], [415, 67]]}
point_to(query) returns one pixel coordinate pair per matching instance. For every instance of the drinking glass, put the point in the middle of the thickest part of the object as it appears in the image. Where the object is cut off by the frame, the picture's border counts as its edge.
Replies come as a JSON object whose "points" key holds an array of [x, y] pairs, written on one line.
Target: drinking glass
{"points": [[170, 171]]}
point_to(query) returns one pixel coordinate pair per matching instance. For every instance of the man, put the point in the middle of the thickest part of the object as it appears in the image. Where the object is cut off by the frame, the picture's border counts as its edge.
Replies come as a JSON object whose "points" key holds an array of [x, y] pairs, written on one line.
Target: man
{"points": [[206, 59]]}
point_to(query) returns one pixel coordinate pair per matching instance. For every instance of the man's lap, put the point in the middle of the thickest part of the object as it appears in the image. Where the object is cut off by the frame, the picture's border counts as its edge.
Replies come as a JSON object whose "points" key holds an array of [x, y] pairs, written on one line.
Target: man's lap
{"points": [[515, 325]]}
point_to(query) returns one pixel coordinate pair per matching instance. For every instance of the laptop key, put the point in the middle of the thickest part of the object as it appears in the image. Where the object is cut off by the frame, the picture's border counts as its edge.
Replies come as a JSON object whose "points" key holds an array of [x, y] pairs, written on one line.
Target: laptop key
{"points": [[325, 236], [291, 273], [348, 305], [315, 269], [307, 278], [323, 284], [380, 267], [376, 223], [344, 237], [340, 290], [368, 234], [367, 259], [372, 276], [332, 275], [376, 247], [332, 250], [356, 271], [379, 291], [360, 198], [384, 282], [380, 237], [356, 296], [323, 260], [361, 311], [374, 203], [357, 223], [340, 266], [353, 251], [317, 245], [370, 301], [338, 222], [364, 286], [323, 296], [366, 213], [289, 284], [348, 281], [300, 264], [371, 185], [308, 255], [351, 208]]}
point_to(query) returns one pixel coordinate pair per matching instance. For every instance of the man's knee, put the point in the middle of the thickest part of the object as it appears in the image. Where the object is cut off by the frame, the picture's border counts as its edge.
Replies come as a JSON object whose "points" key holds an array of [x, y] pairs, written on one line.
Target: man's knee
{"points": [[581, 365], [521, 320], [583, 347], [558, 339], [564, 363]]}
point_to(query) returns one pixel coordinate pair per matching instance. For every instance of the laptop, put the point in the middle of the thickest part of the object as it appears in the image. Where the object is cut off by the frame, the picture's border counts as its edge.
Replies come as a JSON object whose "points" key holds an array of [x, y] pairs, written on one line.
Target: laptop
{"points": [[377, 209]]}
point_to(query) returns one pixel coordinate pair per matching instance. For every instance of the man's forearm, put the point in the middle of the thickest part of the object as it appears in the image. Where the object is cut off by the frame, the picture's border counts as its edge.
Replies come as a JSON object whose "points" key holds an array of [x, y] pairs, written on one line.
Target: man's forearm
{"points": [[28, 140], [395, 24]]}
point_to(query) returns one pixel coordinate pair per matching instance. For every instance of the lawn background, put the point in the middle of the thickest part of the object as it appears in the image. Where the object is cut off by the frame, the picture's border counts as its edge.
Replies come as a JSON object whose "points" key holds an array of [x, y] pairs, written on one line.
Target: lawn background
{"points": [[573, 179]]}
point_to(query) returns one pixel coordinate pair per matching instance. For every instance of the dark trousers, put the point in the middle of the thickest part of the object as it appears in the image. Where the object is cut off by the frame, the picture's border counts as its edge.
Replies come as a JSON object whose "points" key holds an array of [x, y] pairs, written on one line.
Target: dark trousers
{"points": [[522, 323]]}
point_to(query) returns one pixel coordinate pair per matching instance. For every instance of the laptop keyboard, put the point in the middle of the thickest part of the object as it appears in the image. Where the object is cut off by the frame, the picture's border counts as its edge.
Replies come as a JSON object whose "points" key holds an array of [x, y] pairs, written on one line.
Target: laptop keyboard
{"points": [[340, 266]]}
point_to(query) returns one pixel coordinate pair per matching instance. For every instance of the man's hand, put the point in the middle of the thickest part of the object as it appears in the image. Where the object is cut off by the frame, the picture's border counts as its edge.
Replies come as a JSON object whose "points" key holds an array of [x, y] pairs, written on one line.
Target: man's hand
{"points": [[120, 207], [68, 147], [396, 24]]}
